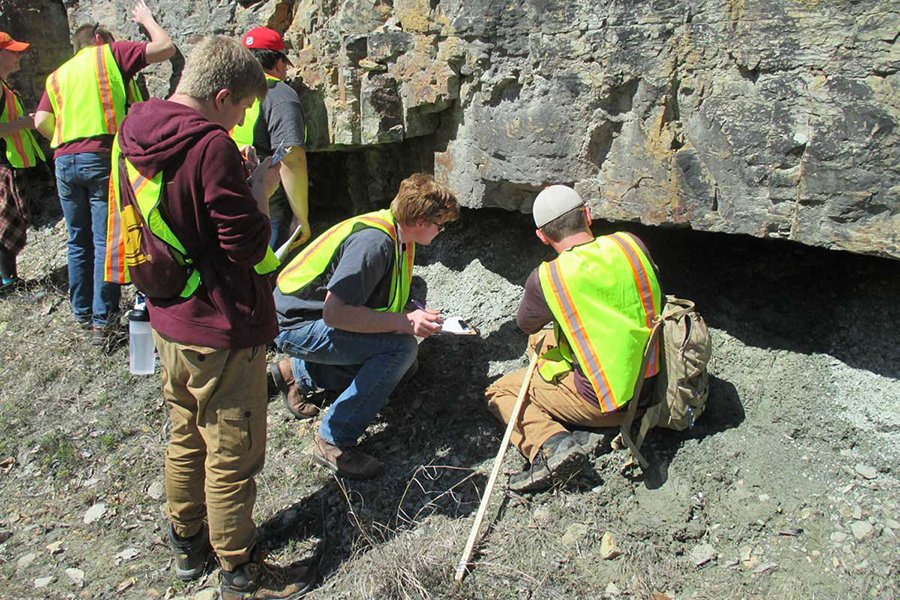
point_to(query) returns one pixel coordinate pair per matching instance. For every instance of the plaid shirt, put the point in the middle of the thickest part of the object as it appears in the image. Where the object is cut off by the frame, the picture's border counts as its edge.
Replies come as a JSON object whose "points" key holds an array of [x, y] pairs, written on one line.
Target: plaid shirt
{"points": [[13, 213]]}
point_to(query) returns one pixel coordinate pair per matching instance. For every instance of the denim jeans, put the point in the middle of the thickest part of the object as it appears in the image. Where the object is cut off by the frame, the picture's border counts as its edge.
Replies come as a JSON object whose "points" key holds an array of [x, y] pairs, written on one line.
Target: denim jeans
{"points": [[280, 217], [82, 181], [364, 368]]}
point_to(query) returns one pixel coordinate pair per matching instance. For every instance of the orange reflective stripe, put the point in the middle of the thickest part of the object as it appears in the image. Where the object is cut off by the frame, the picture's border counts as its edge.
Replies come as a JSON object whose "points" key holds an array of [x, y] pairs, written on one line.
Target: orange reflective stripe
{"points": [[642, 280], [409, 260], [13, 114], [138, 183], [297, 262], [392, 231], [57, 93], [592, 368], [113, 267], [109, 111]]}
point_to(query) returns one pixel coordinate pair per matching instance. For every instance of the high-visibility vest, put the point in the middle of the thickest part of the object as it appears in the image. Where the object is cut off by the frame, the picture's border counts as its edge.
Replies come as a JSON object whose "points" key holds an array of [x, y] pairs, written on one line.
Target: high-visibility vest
{"points": [[243, 134], [88, 95], [22, 149], [123, 248], [604, 297], [315, 258]]}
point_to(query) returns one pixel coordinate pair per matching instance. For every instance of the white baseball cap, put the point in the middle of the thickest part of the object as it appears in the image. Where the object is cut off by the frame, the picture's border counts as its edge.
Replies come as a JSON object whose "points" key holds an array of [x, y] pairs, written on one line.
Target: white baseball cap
{"points": [[553, 202]]}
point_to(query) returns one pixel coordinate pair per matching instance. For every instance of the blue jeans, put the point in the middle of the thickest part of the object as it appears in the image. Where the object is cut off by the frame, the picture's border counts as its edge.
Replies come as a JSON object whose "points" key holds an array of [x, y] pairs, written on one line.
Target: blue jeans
{"points": [[280, 217], [363, 367], [82, 181]]}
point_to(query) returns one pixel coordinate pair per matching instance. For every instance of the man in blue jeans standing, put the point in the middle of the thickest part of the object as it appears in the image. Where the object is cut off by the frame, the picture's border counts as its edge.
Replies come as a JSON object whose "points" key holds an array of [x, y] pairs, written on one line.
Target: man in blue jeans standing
{"points": [[342, 316], [80, 112]]}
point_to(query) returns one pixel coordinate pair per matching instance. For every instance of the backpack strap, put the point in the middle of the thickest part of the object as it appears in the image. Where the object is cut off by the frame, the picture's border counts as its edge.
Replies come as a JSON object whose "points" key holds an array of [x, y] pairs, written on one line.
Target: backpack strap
{"points": [[625, 428], [684, 307]]}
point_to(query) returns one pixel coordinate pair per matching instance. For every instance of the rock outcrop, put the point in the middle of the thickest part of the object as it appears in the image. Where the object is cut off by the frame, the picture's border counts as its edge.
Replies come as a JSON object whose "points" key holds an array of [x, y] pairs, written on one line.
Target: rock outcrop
{"points": [[774, 119]]}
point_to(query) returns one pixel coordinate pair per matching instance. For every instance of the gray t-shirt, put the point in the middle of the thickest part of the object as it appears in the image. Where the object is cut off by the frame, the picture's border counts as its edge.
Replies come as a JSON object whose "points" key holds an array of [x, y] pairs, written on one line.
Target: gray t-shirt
{"points": [[280, 120], [359, 274]]}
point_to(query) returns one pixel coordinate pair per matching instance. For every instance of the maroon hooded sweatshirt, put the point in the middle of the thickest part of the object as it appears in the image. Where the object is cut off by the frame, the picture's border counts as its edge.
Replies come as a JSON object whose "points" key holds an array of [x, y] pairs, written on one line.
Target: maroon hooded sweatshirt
{"points": [[210, 208]]}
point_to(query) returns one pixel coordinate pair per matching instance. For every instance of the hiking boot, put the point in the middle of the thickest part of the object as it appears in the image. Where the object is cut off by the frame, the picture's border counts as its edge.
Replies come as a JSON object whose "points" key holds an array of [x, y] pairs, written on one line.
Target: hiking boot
{"points": [[191, 553], [346, 462], [108, 337], [558, 460], [297, 403], [259, 579], [593, 441]]}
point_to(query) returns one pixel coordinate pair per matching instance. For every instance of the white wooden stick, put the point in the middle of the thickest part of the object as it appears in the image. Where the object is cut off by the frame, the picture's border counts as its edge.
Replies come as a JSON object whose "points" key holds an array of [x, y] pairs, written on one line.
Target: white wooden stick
{"points": [[462, 567]]}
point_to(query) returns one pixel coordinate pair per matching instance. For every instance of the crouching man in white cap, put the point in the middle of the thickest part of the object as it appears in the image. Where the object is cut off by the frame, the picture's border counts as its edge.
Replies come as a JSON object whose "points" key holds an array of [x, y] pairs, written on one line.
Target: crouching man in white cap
{"points": [[602, 295]]}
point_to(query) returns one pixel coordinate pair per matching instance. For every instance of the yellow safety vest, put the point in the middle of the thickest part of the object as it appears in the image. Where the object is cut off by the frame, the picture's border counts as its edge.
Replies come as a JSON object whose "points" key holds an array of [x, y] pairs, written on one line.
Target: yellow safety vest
{"points": [[243, 134], [22, 149], [315, 258], [88, 95], [604, 296], [126, 227]]}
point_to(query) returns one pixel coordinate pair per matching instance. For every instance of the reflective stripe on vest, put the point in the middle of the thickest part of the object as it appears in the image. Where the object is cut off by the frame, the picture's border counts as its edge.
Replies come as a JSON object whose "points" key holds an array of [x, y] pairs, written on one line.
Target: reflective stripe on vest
{"points": [[243, 134], [88, 95], [22, 149], [315, 258], [604, 296], [124, 249]]}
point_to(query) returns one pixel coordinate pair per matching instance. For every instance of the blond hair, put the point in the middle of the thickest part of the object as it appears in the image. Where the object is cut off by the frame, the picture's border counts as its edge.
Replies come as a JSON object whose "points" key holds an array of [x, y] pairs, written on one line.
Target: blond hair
{"points": [[421, 197], [219, 63]]}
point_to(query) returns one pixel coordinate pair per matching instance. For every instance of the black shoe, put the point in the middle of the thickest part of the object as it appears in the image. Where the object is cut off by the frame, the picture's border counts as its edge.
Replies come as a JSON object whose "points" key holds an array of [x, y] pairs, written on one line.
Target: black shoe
{"points": [[258, 579], [191, 553], [557, 461]]}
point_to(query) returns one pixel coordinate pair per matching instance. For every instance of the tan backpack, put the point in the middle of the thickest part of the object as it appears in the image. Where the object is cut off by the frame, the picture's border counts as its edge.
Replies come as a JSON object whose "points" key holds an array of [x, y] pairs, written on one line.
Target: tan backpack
{"points": [[682, 386]]}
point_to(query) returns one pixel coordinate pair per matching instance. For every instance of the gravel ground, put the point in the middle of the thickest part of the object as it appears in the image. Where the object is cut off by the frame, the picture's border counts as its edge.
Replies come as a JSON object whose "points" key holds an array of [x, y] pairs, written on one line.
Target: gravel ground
{"points": [[786, 488]]}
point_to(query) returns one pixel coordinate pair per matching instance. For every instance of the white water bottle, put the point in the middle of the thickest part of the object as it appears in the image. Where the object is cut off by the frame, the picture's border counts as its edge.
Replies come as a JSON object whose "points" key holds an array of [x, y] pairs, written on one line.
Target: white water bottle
{"points": [[141, 358]]}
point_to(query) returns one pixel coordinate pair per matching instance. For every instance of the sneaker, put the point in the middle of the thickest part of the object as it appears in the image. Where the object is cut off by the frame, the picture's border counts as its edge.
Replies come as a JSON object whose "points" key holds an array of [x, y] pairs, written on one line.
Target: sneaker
{"points": [[11, 284], [191, 553], [298, 403], [259, 579], [346, 462], [558, 460]]}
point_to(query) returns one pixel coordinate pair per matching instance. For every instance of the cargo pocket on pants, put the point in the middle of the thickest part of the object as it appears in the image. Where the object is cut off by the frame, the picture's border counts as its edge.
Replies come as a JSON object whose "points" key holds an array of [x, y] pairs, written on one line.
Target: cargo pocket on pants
{"points": [[234, 432]]}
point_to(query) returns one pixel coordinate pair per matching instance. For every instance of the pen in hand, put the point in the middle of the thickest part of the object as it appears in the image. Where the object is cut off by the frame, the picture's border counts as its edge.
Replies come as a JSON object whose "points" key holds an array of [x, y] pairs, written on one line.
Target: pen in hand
{"points": [[421, 306]]}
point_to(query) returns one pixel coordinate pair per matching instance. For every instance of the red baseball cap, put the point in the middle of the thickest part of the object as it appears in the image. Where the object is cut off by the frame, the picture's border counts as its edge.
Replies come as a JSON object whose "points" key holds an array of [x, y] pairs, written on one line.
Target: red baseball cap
{"points": [[264, 38], [8, 43]]}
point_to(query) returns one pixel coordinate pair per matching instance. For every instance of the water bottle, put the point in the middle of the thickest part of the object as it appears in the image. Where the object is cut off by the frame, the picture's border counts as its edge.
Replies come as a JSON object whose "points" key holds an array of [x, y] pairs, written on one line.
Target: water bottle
{"points": [[141, 359]]}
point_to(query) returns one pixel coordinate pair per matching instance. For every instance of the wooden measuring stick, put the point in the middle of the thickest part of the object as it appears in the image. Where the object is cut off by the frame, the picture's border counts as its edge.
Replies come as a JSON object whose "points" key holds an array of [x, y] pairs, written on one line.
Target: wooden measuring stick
{"points": [[462, 567]]}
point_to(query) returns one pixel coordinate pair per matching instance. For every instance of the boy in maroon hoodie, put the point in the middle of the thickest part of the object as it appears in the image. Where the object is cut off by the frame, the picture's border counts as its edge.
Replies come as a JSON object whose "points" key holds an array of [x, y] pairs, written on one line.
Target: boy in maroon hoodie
{"points": [[211, 339]]}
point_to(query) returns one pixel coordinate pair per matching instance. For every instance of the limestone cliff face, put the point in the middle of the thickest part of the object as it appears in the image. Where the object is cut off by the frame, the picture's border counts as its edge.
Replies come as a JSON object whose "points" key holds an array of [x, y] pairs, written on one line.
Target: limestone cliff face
{"points": [[774, 119]]}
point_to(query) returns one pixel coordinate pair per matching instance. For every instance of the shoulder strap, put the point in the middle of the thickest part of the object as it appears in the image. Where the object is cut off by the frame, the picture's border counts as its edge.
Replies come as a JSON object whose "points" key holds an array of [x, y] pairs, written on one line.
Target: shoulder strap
{"points": [[631, 411]]}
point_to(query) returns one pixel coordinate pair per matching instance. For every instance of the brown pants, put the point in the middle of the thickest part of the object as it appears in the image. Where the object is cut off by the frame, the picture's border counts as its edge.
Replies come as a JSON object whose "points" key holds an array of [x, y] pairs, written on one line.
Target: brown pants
{"points": [[546, 409], [217, 409]]}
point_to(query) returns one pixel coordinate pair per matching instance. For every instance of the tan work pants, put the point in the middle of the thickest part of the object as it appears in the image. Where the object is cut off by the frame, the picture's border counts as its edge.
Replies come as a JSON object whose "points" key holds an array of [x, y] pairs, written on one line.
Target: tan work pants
{"points": [[217, 408], [546, 409]]}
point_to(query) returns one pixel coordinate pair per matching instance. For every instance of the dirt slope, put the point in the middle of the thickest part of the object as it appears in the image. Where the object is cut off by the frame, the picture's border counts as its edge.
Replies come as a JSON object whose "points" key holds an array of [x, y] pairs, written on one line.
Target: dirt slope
{"points": [[785, 489]]}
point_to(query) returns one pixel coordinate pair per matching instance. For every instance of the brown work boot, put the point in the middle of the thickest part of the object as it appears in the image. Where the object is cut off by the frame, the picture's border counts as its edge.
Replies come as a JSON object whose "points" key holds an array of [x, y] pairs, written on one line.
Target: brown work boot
{"points": [[346, 462], [258, 579], [298, 403]]}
